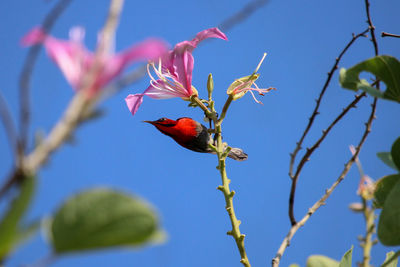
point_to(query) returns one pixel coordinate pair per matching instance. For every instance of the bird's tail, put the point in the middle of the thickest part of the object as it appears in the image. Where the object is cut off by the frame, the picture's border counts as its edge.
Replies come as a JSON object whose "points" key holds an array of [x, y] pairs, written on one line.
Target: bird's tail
{"points": [[237, 154]]}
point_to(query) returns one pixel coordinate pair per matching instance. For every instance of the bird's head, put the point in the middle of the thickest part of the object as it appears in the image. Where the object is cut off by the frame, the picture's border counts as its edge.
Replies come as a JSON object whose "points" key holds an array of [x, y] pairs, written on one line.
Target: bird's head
{"points": [[182, 129]]}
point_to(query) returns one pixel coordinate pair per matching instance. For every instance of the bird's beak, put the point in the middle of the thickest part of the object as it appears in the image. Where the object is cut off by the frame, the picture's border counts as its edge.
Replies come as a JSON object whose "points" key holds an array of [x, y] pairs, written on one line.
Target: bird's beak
{"points": [[151, 122]]}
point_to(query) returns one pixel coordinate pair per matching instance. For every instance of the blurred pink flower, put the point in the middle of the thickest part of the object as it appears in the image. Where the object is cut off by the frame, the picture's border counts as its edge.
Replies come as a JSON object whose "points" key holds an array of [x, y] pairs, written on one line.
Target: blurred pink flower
{"points": [[366, 187], [75, 60], [174, 72]]}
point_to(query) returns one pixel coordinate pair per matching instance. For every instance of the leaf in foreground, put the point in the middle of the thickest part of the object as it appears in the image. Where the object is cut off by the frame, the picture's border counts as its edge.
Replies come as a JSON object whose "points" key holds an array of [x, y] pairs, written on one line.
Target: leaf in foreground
{"points": [[103, 218], [383, 187], [385, 68], [10, 230], [389, 220]]}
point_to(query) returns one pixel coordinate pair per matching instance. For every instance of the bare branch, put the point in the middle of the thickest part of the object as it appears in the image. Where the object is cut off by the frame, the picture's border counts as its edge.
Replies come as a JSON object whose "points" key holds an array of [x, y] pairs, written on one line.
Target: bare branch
{"points": [[310, 123], [386, 34], [9, 126], [26, 74], [242, 15], [328, 192]]}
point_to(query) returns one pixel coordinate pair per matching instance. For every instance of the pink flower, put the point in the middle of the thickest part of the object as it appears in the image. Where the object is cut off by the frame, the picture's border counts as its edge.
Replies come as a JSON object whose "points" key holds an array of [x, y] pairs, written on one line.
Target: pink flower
{"points": [[174, 72], [366, 187], [75, 60], [245, 84]]}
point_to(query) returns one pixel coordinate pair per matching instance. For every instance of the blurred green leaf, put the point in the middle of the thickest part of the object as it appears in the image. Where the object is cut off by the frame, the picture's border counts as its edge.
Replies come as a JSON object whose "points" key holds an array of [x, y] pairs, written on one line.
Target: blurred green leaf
{"points": [[383, 187], [386, 157], [101, 218], [393, 263], [385, 68], [321, 261], [294, 265], [395, 153], [346, 259], [389, 220], [9, 225]]}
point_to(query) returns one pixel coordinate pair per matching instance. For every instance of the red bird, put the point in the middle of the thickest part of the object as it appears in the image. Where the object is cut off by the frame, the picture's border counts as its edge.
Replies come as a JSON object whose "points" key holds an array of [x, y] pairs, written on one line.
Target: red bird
{"points": [[192, 135]]}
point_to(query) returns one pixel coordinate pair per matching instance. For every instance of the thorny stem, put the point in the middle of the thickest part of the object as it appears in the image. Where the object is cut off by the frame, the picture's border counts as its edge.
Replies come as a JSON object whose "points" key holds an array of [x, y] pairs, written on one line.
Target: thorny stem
{"points": [[386, 34], [224, 188], [310, 150], [328, 192], [310, 123], [367, 242]]}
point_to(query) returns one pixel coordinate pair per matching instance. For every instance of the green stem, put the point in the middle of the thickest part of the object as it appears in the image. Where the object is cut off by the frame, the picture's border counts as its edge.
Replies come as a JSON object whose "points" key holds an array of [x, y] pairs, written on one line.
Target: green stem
{"points": [[391, 259], [224, 188], [228, 194], [225, 109], [369, 216]]}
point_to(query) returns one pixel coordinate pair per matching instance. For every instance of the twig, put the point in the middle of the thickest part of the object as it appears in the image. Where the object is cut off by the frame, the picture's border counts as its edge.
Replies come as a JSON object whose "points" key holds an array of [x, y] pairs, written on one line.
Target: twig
{"points": [[386, 34], [312, 118], [9, 126], [328, 192], [26, 74], [371, 28], [367, 242], [310, 150], [240, 16]]}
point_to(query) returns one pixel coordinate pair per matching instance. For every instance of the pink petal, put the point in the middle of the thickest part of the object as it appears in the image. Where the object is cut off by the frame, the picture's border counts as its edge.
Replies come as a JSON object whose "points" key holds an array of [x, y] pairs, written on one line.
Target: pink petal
{"points": [[209, 33], [161, 91], [133, 102], [35, 36], [149, 49], [72, 58], [184, 67]]}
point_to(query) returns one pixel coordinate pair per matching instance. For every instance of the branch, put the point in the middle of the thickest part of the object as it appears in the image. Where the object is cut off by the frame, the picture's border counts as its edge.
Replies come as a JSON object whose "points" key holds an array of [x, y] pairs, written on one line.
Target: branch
{"points": [[315, 113], [367, 242], [371, 28], [310, 150], [328, 192], [9, 126], [26, 74], [242, 15], [386, 34]]}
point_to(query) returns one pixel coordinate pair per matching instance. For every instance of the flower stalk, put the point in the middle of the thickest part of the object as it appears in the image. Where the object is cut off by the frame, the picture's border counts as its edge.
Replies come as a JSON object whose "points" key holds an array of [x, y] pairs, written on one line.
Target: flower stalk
{"points": [[222, 150]]}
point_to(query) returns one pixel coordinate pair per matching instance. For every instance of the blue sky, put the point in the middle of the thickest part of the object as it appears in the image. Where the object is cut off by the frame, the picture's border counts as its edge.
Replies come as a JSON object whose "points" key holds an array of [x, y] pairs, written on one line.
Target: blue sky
{"points": [[302, 40]]}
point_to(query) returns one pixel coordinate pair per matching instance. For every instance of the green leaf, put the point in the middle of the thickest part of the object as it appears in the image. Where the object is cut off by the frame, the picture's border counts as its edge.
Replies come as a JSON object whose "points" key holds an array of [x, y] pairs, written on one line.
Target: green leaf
{"points": [[385, 68], [386, 157], [321, 261], [382, 189], [346, 259], [393, 263], [294, 265], [395, 153], [389, 220], [9, 225], [101, 218]]}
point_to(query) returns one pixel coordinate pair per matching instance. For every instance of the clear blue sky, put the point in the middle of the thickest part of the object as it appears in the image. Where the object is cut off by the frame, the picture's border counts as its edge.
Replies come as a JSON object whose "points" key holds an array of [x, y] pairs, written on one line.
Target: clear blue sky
{"points": [[302, 39]]}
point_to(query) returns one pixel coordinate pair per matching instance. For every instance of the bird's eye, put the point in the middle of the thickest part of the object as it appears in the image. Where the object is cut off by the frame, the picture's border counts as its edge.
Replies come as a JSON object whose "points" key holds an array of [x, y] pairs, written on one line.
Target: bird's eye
{"points": [[162, 119]]}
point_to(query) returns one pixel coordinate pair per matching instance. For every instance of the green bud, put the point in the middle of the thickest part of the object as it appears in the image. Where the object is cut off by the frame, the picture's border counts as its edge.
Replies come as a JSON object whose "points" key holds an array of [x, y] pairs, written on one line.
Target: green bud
{"points": [[210, 86]]}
